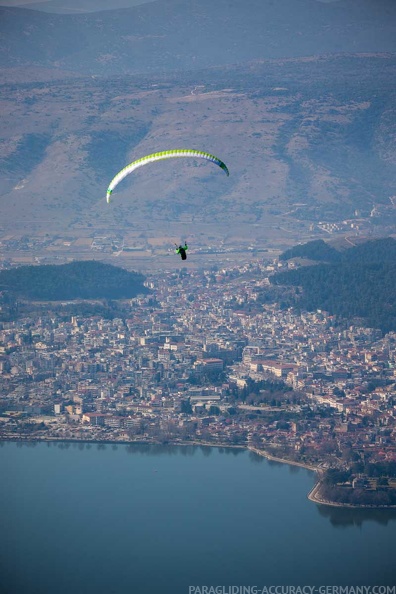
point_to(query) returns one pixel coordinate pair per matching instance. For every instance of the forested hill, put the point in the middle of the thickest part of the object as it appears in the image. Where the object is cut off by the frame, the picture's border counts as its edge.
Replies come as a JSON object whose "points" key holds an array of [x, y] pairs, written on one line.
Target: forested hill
{"points": [[317, 250], [77, 280], [361, 284], [380, 250]]}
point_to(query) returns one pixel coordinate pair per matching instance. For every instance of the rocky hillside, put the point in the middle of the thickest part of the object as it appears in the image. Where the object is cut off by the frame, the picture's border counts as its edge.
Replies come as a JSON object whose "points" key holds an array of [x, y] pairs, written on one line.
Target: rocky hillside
{"points": [[306, 141]]}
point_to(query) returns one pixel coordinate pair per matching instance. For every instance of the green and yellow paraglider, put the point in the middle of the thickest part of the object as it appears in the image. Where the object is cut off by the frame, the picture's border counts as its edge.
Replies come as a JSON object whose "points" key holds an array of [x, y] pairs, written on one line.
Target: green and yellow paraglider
{"points": [[177, 153]]}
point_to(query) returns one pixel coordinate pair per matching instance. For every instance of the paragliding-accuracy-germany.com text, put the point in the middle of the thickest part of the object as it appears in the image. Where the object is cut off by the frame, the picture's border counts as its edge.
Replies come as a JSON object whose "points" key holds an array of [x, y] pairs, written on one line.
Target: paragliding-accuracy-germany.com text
{"points": [[292, 590]]}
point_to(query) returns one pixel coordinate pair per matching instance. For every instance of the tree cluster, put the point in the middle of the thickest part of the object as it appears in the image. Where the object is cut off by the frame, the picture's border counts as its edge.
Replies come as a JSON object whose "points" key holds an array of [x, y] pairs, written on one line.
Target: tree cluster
{"points": [[77, 280], [362, 284], [348, 495], [317, 250]]}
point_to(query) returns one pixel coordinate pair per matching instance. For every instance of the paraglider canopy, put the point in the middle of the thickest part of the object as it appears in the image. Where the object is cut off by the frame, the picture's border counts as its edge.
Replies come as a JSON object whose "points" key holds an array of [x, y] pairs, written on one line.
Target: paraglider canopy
{"points": [[176, 153]]}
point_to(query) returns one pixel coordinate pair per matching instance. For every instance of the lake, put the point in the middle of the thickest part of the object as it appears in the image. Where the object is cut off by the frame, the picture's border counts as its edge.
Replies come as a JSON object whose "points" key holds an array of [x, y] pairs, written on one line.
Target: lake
{"points": [[141, 519]]}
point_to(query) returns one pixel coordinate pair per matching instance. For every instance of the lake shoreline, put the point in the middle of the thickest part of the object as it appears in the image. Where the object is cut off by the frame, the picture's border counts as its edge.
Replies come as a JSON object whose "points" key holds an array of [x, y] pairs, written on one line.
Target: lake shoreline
{"points": [[313, 494]]}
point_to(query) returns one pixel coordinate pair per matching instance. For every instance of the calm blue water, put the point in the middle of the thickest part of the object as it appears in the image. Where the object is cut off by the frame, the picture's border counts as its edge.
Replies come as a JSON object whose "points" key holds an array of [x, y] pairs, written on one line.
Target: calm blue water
{"points": [[144, 519]]}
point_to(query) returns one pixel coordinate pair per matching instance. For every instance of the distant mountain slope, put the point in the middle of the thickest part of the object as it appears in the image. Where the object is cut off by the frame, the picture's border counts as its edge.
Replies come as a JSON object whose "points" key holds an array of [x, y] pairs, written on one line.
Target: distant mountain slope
{"points": [[362, 284], [306, 141], [77, 280], [177, 35]]}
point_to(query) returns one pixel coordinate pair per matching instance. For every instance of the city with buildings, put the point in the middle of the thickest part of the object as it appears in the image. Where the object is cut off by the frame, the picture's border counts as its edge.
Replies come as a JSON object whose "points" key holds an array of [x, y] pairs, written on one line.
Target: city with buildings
{"points": [[200, 359]]}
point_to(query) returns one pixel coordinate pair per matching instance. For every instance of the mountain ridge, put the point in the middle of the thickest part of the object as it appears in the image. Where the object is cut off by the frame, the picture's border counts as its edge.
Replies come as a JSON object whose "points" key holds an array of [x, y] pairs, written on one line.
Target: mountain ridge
{"points": [[306, 140], [310, 141], [169, 35]]}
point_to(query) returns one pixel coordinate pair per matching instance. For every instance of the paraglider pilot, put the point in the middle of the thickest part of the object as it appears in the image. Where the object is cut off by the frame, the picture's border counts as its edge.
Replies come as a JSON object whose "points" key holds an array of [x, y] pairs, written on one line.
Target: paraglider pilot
{"points": [[182, 250]]}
